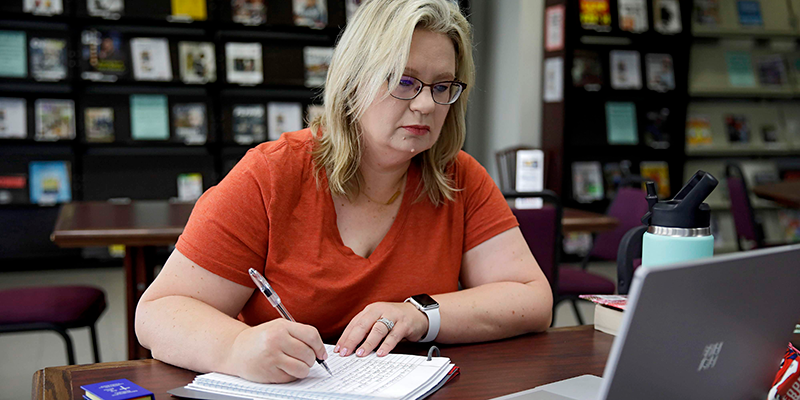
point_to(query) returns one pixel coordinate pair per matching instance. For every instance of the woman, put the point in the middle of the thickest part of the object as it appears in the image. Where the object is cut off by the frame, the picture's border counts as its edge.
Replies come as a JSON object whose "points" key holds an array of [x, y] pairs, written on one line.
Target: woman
{"points": [[378, 204]]}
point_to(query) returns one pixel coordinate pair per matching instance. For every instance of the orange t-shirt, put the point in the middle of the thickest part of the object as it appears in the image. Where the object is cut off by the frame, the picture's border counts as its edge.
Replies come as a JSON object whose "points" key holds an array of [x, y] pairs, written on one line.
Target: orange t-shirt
{"points": [[269, 214]]}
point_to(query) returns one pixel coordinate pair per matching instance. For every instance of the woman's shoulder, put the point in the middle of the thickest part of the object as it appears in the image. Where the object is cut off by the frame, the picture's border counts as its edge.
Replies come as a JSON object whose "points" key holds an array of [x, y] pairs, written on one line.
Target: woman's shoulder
{"points": [[466, 166], [292, 148]]}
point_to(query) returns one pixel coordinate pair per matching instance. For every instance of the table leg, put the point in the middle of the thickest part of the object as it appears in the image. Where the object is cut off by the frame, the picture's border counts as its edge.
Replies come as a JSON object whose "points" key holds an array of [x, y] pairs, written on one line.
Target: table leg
{"points": [[139, 271]]}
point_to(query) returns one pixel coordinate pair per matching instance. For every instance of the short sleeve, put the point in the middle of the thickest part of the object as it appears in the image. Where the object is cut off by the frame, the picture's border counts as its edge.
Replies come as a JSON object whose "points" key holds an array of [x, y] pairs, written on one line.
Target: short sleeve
{"points": [[486, 212], [227, 232]]}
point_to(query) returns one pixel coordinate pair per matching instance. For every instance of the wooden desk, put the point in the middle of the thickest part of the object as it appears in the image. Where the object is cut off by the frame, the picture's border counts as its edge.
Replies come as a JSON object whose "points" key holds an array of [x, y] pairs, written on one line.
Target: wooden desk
{"points": [[140, 226], [585, 221], [786, 193], [487, 369]]}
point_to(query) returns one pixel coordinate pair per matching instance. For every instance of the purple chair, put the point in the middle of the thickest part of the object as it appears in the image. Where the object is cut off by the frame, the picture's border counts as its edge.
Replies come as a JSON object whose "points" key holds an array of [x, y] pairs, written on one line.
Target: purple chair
{"points": [[628, 207], [748, 230], [55, 308], [541, 229]]}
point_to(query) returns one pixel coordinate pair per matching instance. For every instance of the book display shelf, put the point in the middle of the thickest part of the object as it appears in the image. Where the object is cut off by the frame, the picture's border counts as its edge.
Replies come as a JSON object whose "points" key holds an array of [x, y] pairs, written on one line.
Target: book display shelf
{"points": [[615, 88], [744, 87]]}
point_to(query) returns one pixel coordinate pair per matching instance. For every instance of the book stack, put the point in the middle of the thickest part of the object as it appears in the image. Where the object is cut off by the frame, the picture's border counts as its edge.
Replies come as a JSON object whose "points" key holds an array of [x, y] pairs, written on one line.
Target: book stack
{"points": [[607, 312]]}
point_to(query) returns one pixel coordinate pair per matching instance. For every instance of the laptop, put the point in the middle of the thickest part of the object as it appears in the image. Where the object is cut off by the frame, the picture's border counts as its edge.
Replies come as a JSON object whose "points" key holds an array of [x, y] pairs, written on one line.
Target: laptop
{"points": [[708, 329]]}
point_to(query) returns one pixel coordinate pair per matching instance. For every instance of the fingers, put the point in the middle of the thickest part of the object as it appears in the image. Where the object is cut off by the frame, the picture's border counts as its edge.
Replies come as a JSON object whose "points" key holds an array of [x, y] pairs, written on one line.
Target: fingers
{"points": [[374, 338], [309, 336], [366, 327], [357, 330]]}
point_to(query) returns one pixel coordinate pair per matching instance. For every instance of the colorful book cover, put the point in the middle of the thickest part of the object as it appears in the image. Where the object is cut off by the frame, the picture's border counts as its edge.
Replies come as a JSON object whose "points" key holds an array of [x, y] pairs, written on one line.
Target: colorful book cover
{"points": [[197, 61], [621, 124], [658, 172], [249, 12], [749, 12], [151, 61], [611, 300], [633, 15], [194, 10], [698, 131], [249, 124], [660, 74], [190, 186], [737, 128], [109, 9], [118, 389], [99, 124], [13, 189], [13, 54], [740, 69], [244, 64], [50, 182], [667, 16], [706, 12], [625, 69], [103, 55], [317, 60], [48, 59], [656, 131], [13, 118], [43, 7], [587, 181], [772, 70], [310, 13], [189, 121], [283, 117], [612, 177], [595, 15], [55, 119], [790, 223], [587, 71]]}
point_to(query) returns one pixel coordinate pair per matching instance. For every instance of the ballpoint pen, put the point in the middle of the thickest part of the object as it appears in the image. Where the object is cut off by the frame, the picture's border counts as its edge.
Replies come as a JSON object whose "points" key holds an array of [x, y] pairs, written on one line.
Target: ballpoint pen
{"points": [[264, 287]]}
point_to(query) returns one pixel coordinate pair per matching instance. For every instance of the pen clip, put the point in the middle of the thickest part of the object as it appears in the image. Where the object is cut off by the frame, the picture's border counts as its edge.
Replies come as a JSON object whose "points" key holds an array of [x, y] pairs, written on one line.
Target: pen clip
{"points": [[264, 287]]}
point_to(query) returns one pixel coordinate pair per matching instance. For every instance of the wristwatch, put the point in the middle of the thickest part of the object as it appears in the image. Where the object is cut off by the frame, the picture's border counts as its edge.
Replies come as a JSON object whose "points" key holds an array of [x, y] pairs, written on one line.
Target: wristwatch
{"points": [[430, 308]]}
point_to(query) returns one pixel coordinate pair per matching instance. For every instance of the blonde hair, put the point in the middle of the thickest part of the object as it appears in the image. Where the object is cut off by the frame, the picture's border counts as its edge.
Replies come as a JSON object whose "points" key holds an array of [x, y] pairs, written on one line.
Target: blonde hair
{"points": [[374, 48]]}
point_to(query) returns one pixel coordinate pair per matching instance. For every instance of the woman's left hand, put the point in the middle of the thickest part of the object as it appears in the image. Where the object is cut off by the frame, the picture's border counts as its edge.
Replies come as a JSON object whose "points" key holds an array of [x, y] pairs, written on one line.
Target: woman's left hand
{"points": [[409, 323]]}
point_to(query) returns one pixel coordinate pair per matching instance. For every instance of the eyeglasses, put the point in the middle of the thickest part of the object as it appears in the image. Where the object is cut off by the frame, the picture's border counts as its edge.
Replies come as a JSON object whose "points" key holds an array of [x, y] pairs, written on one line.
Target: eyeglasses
{"points": [[442, 92]]}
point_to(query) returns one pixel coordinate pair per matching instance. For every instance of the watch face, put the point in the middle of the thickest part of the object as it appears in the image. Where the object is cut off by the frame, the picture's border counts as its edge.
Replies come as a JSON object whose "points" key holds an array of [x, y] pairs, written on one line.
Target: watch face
{"points": [[425, 301]]}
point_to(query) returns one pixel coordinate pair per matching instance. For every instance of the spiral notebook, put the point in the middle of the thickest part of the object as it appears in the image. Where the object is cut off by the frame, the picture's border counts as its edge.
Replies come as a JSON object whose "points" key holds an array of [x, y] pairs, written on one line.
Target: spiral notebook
{"points": [[395, 376]]}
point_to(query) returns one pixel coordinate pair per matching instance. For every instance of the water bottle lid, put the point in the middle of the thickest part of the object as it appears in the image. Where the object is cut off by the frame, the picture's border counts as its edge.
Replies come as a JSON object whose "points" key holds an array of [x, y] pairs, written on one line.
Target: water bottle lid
{"points": [[687, 209]]}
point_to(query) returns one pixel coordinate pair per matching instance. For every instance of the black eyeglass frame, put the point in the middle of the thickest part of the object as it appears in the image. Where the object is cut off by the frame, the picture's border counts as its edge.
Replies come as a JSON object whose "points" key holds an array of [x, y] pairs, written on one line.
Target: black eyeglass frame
{"points": [[433, 97]]}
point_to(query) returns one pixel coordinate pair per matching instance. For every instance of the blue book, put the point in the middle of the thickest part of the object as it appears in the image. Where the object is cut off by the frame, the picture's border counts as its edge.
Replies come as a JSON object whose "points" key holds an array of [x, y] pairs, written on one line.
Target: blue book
{"points": [[118, 389], [749, 12]]}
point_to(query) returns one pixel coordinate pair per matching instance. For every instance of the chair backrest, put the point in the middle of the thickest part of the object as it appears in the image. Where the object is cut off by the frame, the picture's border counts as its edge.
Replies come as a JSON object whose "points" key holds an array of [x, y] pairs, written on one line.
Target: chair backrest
{"points": [[628, 207], [744, 218], [541, 229]]}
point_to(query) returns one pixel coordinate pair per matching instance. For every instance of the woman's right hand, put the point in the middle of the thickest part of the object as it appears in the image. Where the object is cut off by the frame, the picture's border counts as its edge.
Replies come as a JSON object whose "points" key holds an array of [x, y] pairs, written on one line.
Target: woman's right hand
{"points": [[277, 351]]}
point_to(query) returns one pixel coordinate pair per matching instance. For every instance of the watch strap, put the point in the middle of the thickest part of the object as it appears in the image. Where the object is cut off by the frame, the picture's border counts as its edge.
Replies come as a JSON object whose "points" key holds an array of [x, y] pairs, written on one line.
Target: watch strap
{"points": [[434, 320]]}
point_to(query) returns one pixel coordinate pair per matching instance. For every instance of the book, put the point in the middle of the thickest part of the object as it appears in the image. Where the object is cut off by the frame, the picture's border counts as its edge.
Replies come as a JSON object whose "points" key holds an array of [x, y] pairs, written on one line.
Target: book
{"points": [[587, 71], [658, 172], [283, 117], [313, 111], [317, 60], [554, 27], [608, 311], [660, 74], [118, 389], [13, 54], [55, 119], [249, 12], [740, 69], [737, 128], [13, 118], [667, 17], [244, 64], [789, 221], [48, 59], [749, 13], [43, 7], [50, 182], [587, 181], [706, 12], [769, 133], [108, 9], [394, 376], [188, 10], [553, 80], [698, 131], [249, 124], [656, 131], [625, 72], [103, 55], [151, 61], [197, 62], [190, 186], [772, 70], [310, 13], [621, 124], [99, 124], [595, 15], [189, 121], [149, 117], [350, 8], [633, 15], [13, 189], [612, 177]]}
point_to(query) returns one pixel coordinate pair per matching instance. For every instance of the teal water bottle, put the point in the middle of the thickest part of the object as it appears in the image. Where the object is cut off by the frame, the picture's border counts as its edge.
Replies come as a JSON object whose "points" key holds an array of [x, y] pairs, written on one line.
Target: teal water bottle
{"points": [[679, 229]]}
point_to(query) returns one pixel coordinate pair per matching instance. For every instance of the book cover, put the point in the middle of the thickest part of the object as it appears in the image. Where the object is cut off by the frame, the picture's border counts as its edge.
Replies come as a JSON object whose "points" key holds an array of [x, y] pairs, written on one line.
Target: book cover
{"points": [[13, 118], [625, 72], [587, 181], [249, 124], [350, 8], [621, 124], [151, 61], [617, 301], [189, 121], [103, 55], [667, 16], [317, 60], [769, 133], [749, 13], [189, 10], [633, 15], [99, 124], [190, 186], [660, 74], [249, 12], [283, 117], [118, 389], [595, 15], [310, 13], [658, 172], [244, 64], [149, 117], [737, 128], [612, 177], [55, 119], [314, 111], [43, 7], [789, 221], [13, 189], [740, 69], [553, 80], [772, 70], [587, 71], [656, 130], [706, 12], [13, 54], [109, 9], [48, 59], [50, 182], [554, 28], [197, 61], [698, 131]]}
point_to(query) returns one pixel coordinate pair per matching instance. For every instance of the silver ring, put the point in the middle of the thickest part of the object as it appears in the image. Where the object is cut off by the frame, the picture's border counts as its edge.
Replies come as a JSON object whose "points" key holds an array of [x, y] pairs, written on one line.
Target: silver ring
{"points": [[389, 324]]}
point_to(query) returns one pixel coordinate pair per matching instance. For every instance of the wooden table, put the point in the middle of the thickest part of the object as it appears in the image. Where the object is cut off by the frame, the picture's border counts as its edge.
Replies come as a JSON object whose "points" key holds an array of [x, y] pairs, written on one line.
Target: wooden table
{"points": [[585, 221], [786, 193], [487, 369], [139, 225]]}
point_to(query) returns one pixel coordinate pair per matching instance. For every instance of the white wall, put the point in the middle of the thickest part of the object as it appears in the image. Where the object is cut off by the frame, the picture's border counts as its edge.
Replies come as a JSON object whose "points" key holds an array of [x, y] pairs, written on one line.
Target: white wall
{"points": [[505, 105]]}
